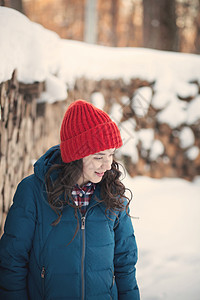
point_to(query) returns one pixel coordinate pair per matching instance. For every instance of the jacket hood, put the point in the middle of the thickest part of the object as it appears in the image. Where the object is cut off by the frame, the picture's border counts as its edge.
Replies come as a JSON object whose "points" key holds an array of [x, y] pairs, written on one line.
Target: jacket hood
{"points": [[51, 157]]}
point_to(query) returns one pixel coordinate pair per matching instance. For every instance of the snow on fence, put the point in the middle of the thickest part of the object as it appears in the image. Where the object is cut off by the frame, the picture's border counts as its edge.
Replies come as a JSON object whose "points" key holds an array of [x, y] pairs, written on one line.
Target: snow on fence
{"points": [[153, 146]]}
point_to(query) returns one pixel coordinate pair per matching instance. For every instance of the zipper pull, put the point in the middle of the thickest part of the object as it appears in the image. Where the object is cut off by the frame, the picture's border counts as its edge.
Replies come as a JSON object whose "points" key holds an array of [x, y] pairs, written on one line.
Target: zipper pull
{"points": [[113, 280], [43, 273], [83, 223]]}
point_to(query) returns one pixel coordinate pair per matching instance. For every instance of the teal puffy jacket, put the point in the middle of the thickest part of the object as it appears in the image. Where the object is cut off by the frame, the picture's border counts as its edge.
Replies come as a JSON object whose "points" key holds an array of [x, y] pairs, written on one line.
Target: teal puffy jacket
{"points": [[36, 261]]}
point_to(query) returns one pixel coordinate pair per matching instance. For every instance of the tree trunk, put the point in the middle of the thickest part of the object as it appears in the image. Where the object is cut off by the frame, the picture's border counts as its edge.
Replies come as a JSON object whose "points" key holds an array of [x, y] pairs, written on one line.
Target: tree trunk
{"points": [[197, 39], [16, 4], [114, 14], [159, 25], [90, 32]]}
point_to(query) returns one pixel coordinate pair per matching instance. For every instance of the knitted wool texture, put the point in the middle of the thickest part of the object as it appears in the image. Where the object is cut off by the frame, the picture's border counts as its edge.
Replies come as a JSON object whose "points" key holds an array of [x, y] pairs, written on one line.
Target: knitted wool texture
{"points": [[86, 130]]}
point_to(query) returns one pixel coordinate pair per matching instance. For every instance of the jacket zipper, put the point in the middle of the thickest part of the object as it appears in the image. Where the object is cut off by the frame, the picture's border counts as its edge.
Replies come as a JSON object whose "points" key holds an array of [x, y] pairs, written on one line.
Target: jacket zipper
{"points": [[83, 256], [43, 273], [113, 282], [43, 277], [83, 219]]}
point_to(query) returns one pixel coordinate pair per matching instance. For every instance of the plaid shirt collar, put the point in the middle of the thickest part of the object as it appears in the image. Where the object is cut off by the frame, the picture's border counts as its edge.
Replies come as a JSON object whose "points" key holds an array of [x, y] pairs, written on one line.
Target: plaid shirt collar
{"points": [[82, 195]]}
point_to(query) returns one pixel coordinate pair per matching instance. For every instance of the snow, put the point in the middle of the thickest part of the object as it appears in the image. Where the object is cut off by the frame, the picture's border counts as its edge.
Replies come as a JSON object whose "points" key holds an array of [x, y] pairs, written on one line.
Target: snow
{"points": [[129, 139], [193, 112], [98, 100], [27, 46], [40, 54], [146, 136], [161, 99], [125, 100], [56, 89], [141, 101], [186, 137], [116, 113], [188, 90], [192, 153], [167, 234], [174, 114], [157, 149]]}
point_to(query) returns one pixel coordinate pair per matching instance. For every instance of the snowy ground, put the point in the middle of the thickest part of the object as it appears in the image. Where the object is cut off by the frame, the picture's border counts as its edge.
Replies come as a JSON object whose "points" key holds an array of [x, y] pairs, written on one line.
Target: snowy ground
{"points": [[168, 237]]}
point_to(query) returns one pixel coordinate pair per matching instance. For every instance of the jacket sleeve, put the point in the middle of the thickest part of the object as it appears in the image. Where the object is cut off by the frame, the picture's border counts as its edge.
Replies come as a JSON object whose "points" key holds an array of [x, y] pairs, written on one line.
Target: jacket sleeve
{"points": [[125, 258], [16, 243]]}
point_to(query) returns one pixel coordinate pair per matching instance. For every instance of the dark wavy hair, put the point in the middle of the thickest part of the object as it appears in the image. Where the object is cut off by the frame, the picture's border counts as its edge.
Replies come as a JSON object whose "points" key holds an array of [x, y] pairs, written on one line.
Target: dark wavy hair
{"points": [[59, 190]]}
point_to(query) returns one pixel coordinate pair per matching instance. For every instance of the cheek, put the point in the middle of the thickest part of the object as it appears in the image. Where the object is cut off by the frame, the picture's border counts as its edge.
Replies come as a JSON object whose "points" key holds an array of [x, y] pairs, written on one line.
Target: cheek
{"points": [[92, 167], [88, 166]]}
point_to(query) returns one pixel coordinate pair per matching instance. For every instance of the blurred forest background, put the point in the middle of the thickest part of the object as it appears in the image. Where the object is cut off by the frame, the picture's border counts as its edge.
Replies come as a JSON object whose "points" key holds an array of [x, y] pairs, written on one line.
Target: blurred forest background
{"points": [[172, 25]]}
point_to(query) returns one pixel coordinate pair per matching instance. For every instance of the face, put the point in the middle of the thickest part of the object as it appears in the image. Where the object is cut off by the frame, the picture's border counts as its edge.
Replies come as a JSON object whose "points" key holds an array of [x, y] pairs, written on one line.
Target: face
{"points": [[95, 165]]}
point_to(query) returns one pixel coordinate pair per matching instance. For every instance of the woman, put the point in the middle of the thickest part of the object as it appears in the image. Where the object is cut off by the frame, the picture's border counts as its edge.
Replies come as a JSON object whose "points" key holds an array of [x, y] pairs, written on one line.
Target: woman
{"points": [[68, 234]]}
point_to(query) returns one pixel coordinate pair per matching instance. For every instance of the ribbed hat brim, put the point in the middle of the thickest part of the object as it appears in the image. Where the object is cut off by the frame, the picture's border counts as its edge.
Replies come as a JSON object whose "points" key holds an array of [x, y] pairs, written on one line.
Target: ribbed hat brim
{"points": [[99, 138]]}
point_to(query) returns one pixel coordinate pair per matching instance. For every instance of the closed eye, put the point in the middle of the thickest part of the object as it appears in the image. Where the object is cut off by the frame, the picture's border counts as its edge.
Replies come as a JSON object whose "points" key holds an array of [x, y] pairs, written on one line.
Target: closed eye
{"points": [[101, 157]]}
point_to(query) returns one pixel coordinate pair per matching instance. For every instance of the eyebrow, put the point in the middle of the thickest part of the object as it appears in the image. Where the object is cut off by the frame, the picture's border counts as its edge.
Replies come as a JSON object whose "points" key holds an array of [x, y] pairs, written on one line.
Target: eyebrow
{"points": [[100, 153]]}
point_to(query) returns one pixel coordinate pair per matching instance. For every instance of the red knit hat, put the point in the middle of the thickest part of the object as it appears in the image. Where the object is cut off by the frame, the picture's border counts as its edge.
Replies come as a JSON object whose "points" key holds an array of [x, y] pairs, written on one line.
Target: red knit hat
{"points": [[86, 130]]}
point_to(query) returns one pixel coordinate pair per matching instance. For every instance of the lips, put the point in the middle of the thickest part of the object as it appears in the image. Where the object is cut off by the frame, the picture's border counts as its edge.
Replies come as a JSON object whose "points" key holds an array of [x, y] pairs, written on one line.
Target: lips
{"points": [[99, 174]]}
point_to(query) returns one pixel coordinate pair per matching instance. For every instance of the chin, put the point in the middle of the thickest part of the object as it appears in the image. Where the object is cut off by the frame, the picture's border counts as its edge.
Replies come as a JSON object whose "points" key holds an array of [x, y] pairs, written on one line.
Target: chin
{"points": [[96, 180]]}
